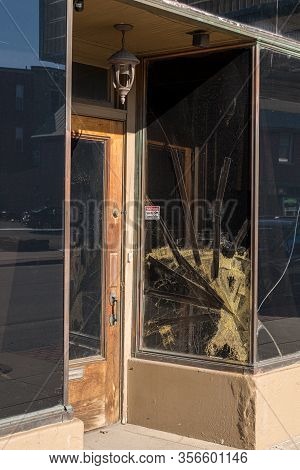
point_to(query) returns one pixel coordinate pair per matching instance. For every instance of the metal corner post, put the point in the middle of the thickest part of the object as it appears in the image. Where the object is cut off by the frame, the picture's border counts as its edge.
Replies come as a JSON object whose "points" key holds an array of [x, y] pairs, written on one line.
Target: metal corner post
{"points": [[141, 155], [67, 196], [254, 199]]}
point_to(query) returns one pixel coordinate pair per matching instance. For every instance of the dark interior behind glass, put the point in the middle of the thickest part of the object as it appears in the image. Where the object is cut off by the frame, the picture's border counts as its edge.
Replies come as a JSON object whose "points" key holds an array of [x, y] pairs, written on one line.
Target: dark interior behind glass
{"points": [[87, 186], [90, 83]]}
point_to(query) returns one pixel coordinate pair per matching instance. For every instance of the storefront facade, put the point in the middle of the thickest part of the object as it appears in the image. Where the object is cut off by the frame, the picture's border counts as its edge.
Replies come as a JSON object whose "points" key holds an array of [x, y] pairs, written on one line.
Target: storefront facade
{"points": [[149, 251]]}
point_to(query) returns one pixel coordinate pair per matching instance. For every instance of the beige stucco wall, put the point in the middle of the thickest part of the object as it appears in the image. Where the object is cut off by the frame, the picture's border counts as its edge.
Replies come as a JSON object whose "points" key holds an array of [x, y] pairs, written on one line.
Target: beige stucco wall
{"points": [[61, 436], [278, 407], [242, 411]]}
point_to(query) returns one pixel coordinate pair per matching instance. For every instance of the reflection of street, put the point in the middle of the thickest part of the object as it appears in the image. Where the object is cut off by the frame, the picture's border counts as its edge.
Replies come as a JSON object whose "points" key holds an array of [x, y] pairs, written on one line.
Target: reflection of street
{"points": [[280, 312], [31, 318], [30, 294], [29, 381], [16, 240], [282, 335], [279, 287]]}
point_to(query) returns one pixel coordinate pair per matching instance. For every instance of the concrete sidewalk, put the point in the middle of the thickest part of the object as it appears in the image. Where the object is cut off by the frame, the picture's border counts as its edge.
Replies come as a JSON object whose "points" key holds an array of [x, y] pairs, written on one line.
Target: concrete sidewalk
{"points": [[130, 437]]}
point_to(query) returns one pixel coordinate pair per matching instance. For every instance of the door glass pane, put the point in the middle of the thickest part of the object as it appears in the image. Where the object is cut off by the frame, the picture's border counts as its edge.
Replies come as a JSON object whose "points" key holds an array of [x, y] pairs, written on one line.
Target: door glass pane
{"points": [[279, 229], [86, 247], [32, 156], [197, 207]]}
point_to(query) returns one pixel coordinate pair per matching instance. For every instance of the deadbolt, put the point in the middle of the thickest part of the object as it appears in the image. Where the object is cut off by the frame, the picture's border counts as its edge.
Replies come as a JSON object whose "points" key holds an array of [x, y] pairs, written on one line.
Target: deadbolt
{"points": [[116, 213]]}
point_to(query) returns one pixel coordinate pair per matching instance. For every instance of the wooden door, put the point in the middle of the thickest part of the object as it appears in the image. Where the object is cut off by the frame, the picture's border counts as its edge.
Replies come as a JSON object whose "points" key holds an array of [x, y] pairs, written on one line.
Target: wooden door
{"points": [[96, 200]]}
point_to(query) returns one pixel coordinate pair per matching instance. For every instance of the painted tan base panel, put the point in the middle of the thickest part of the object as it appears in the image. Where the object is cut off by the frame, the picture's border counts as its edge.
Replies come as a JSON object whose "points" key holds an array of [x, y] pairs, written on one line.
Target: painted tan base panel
{"points": [[236, 410], [207, 405], [62, 436]]}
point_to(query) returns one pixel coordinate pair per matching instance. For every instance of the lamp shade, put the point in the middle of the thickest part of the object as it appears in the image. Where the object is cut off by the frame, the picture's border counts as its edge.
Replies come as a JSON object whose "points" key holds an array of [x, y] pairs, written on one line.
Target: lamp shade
{"points": [[123, 65]]}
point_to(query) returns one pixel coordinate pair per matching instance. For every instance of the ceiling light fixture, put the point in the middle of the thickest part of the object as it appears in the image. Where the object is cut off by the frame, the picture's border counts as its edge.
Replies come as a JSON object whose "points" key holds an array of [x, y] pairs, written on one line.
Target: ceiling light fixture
{"points": [[78, 5], [123, 64]]}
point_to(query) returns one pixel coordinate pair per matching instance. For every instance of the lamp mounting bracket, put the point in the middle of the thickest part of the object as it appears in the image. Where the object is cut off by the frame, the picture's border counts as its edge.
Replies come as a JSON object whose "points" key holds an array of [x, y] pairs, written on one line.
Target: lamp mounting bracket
{"points": [[123, 27]]}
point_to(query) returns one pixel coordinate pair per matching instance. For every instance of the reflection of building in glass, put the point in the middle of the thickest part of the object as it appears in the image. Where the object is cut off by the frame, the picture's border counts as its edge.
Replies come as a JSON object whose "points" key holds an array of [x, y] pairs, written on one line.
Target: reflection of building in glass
{"points": [[32, 155], [52, 31], [280, 17], [280, 135], [279, 248], [32, 130]]}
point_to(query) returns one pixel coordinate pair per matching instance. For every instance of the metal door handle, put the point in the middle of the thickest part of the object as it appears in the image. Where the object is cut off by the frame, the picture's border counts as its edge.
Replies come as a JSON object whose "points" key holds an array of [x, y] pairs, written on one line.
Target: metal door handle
{"points": [[113, 319]]}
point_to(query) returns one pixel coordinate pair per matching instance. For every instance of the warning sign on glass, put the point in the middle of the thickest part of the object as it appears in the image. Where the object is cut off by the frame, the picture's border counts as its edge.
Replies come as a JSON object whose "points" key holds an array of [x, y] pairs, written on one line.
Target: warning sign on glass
{"points": [[152, 212]]}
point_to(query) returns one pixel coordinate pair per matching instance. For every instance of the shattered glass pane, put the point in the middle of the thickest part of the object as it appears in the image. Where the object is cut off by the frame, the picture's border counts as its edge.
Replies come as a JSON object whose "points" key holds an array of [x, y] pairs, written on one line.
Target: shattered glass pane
{"points": [[197, 250]]}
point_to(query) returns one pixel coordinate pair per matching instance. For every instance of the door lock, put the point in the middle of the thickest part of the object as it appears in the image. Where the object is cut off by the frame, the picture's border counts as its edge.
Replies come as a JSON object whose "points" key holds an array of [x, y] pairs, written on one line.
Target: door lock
{"points": [[116, 213], [113, 319]]}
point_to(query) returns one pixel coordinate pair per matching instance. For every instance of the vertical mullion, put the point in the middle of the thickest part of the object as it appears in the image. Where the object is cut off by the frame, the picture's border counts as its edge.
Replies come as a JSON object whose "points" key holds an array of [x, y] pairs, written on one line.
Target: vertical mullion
{"points": [[67, 203], [255, 200]]}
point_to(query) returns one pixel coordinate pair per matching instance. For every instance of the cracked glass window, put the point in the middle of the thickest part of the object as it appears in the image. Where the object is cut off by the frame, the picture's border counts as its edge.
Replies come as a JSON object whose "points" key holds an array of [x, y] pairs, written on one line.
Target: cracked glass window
{"points": [[279, 232], [280, 17], [197, 207]]}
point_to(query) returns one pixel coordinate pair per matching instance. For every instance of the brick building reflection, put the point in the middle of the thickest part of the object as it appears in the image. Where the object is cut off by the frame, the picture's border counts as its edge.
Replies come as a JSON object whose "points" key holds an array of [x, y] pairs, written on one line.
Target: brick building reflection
{"points": [[31, 134]]}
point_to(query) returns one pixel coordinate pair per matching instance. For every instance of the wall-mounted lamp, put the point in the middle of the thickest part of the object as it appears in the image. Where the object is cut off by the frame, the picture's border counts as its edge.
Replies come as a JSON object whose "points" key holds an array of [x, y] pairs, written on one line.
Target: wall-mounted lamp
{"points": [[78, 5], [123, 65]]}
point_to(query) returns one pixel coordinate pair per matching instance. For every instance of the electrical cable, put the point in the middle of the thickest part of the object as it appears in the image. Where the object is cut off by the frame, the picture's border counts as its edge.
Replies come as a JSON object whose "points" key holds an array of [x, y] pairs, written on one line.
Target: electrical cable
{"points": [[288, 263]]}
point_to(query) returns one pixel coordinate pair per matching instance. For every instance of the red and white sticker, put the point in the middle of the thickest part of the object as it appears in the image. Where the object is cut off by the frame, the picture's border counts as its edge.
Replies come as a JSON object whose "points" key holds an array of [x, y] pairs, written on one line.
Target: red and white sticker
{"points": [[152, 212]]}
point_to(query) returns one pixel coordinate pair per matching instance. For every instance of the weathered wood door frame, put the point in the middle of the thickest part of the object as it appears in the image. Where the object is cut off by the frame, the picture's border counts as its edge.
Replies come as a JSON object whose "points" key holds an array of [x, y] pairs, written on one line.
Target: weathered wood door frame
{"points": [[94, 389]]}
